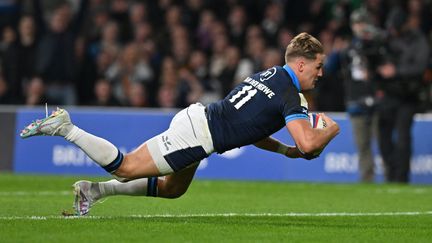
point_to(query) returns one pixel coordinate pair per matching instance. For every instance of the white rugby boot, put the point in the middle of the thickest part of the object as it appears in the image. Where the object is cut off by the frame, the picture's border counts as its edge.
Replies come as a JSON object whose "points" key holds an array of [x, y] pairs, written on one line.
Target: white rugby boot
{"points": [[85, 197], [57, 124]]}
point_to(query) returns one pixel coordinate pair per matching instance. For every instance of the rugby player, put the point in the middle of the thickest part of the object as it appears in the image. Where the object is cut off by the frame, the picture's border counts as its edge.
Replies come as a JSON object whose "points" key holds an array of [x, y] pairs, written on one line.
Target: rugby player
{"points": [[164, 165]]}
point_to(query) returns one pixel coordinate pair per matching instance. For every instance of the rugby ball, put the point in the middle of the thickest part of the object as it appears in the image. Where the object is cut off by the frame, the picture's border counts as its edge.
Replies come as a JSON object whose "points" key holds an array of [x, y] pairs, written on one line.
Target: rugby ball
{"points": [[316, 120]]}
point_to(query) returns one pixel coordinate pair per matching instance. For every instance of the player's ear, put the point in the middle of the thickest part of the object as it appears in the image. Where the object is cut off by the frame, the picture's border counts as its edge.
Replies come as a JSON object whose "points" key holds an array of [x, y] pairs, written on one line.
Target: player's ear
{"points": [[300, 64]]}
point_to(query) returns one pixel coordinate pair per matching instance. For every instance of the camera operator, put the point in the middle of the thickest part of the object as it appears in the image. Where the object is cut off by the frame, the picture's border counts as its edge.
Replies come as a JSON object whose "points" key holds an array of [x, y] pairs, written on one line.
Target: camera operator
{"points": [[358, 61], [399, 88]]}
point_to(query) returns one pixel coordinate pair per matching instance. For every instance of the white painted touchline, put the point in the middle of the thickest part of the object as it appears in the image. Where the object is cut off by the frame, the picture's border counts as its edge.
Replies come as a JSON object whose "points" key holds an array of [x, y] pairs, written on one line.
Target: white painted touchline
{"points": [[36, 193], [138, 216]]}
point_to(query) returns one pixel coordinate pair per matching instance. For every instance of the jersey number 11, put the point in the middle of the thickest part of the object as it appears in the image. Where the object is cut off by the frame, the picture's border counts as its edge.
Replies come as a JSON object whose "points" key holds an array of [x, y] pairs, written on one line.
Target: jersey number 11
{"points": [[250, 93]]}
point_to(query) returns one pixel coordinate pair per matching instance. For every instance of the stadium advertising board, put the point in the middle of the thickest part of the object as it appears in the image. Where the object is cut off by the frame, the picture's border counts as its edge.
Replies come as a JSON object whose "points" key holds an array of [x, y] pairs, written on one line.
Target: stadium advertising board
{"points": [[128, 128]]}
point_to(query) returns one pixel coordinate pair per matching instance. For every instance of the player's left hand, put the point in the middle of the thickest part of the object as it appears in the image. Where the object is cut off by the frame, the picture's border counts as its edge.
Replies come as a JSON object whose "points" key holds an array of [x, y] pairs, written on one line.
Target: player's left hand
{"points": [[294, 152], [310, 156]]}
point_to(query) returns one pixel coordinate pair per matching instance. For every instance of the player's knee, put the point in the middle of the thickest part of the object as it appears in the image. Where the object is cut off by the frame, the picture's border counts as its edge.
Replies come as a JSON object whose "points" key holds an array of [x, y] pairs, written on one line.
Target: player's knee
{"points": [[136, 165], [125, 171]]}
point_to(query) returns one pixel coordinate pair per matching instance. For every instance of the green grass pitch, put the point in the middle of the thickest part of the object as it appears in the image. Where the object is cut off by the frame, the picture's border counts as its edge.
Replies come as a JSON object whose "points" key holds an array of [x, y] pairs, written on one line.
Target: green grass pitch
{"points": [[219, 211]]}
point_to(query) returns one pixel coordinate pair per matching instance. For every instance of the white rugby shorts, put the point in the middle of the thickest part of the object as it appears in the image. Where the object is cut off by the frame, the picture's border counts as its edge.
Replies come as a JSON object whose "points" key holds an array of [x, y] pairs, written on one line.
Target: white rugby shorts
{"points": [[186, 142]]}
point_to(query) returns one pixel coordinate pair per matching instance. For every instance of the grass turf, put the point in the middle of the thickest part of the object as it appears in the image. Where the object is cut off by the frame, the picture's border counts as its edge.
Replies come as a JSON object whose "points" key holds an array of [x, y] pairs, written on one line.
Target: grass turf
{"points": [[203, 213]]}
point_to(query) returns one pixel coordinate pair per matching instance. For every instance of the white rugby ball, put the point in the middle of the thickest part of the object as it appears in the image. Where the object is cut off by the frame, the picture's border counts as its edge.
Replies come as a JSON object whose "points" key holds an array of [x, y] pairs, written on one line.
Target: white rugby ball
{"points": [[316, 120]]}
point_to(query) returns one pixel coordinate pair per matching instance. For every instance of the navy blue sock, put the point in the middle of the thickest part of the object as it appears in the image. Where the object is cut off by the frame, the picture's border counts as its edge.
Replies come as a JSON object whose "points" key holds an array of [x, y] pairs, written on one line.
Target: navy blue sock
{"points": [[152, 190], [113, 166]]}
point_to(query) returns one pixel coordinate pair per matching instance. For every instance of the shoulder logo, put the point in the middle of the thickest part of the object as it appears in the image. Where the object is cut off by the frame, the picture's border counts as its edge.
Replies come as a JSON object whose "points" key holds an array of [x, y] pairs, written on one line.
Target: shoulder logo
{"points": [[267, 74]]}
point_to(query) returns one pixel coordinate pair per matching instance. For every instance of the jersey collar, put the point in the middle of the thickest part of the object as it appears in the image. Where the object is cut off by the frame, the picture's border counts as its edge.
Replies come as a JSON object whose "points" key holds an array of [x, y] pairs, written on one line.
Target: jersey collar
{"points": [[293, 77]]}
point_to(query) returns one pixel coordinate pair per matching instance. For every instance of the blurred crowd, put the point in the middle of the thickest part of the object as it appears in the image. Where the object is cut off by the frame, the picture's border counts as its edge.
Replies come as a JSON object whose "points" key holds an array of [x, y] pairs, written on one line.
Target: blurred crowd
{"points": [[169, 53]]}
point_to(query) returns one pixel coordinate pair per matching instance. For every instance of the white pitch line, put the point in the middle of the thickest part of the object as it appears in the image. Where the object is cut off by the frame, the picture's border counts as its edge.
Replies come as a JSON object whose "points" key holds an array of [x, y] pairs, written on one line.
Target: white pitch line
{"points": [[139, 216], [36, 193]]}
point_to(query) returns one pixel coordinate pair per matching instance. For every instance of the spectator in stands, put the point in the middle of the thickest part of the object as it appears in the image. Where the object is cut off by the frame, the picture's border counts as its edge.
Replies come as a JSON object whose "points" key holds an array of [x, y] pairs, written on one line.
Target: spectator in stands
{"points": [[227, 77], [173, 25], [142, 32], [315, 19], [284, 37], [27, 45], [272, 21], [35, 92], [55, 59], [144, 40], [189, 88], [10, 64], [138, 13], [272, 57], [109, 42], [218, 59], [103, 62], [180, 44], [18, 56], [98, 17], [5, 95], [127, 15], [419, 14], [86, 72], [377, 11], [167, 97], [191, 12], [198, 65], [255, 47], [137, 95], [8, 38], [167, 93], [10, 13], [237, 24], [329, 93], [119, 13], [130, 68], [103, 94], [168, 66], [204, 30]]}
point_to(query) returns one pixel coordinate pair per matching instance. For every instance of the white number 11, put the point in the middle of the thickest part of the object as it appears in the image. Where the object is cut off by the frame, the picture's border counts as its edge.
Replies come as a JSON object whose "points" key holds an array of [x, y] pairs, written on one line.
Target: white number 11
{"points": [[250, 93]]}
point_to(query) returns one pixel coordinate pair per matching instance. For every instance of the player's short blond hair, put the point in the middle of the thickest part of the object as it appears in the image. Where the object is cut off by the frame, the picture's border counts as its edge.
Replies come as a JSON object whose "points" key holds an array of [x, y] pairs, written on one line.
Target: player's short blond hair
{"points": [[303, 45]]}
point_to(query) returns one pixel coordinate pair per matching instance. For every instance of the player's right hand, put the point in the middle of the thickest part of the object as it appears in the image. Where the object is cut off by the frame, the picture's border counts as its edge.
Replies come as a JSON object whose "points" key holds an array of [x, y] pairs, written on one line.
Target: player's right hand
{"points": [[329, 122]]}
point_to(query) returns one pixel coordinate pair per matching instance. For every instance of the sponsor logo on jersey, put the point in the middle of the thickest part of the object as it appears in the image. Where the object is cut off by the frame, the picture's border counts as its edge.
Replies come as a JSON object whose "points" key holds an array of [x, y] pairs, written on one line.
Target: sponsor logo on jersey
{"points": [[266, 75]]}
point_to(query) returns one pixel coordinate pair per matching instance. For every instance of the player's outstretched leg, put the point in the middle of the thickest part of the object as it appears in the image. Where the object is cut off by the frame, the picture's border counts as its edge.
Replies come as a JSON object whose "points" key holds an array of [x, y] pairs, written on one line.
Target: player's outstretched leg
{"points": [[100, 150], [88, 193]]}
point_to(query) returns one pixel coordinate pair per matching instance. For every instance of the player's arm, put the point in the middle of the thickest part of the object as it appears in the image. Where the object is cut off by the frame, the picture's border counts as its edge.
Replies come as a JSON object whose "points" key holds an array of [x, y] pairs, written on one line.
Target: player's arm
{"points": [[274, 145], [310, 140]]}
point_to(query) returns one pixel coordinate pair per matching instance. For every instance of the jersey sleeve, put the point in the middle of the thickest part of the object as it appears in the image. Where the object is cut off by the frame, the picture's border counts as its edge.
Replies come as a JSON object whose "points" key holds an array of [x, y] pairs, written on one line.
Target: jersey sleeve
{"points": [[295, 107]]}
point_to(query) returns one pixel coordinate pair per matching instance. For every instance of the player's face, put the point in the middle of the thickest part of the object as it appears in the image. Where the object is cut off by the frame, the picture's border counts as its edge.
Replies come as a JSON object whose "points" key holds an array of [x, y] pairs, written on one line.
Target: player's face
{"points": [[312, 70]]}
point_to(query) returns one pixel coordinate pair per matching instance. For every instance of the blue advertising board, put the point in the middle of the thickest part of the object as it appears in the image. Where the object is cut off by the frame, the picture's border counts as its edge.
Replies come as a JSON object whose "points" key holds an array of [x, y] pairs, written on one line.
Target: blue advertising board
{"points": [[127, 129]]}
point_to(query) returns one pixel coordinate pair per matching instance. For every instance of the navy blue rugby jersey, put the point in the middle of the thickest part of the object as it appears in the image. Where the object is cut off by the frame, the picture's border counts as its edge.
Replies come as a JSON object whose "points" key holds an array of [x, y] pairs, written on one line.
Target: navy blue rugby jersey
{"points": [[258, 107]]}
